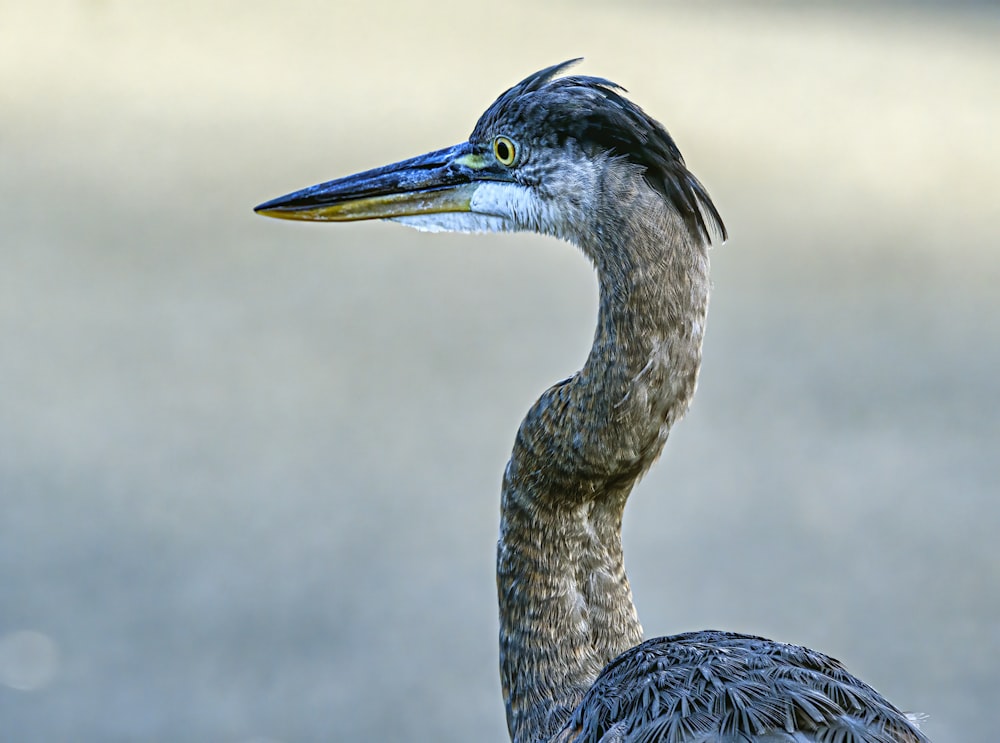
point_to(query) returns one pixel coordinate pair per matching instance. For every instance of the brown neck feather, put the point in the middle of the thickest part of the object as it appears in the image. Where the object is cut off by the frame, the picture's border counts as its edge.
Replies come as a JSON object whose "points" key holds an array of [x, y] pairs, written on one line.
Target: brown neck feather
{"points": [[566, 608]]}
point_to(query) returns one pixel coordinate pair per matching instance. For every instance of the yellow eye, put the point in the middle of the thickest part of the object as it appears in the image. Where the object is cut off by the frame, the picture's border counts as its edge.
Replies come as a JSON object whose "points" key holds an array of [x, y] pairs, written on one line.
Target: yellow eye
{"points": [[504, 151]]}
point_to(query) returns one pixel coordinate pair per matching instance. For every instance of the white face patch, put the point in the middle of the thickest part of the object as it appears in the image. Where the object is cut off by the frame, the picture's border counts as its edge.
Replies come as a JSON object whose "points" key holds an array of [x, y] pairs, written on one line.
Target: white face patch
{"points": [[520, 206], [495, 207], [453, 222]]}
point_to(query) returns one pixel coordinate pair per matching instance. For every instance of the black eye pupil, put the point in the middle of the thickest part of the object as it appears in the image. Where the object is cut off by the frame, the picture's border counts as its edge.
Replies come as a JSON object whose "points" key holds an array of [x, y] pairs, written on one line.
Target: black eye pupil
{"points": [[503, 151]]}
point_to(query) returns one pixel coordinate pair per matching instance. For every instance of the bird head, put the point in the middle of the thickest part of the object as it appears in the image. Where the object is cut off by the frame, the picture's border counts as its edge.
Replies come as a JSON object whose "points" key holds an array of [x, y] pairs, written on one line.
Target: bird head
{"points": [[537, 160]]}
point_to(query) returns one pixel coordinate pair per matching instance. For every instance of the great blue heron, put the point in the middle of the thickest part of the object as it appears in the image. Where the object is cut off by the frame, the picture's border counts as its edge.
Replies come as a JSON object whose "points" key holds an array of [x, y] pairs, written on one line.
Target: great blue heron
{"points": [[572, 158]]}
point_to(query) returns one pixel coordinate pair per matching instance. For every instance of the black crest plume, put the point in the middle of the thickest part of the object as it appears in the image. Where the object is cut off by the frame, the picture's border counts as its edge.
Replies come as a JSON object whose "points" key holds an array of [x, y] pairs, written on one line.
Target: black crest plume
{"points": [[592, 111]]}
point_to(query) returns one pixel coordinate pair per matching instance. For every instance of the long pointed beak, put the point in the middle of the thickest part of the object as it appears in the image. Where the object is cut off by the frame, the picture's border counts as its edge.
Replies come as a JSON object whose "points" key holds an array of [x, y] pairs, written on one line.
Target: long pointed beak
{"points": [[441, 181]]}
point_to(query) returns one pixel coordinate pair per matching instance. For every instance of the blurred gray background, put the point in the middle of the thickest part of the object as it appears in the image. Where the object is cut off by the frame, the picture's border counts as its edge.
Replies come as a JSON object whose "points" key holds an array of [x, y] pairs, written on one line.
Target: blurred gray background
{"points": [[249, 470]]}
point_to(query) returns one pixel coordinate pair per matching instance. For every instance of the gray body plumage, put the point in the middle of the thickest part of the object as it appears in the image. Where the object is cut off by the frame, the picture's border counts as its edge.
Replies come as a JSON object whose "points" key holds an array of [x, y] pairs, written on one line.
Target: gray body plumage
{"points": [[719, 686], [588, 166]]}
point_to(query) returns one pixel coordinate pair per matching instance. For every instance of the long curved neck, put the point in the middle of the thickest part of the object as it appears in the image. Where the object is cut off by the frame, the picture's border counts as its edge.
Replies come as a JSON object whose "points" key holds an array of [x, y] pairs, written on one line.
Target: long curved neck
{"points": [[566, 608]]}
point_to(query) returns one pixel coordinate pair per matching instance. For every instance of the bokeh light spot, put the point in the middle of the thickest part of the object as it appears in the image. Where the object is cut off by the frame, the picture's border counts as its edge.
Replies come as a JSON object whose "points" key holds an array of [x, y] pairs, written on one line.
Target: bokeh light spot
{"points": [[29, 660]]}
